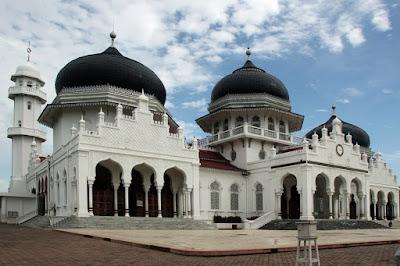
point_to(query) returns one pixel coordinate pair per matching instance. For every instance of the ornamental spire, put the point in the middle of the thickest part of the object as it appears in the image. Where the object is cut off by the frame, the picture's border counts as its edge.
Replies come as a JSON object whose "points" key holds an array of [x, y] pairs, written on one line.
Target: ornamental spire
{"points": [[113, 35], [248, 53], [29, 50]]}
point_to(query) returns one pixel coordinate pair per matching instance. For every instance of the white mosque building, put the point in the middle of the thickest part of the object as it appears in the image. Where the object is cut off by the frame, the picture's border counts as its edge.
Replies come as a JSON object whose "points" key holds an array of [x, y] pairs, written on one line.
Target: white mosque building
{"points": [[117, 151]]}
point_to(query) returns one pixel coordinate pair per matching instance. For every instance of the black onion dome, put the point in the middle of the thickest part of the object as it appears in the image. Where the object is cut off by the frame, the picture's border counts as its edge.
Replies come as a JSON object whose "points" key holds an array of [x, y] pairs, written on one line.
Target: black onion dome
{"points": [[249, 79], [110, 67], [358, 135]]}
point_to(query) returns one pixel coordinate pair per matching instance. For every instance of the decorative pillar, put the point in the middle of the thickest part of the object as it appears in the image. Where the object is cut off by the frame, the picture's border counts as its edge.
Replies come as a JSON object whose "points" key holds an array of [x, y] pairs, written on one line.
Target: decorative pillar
{"points": [[146, 200], [362, 205], [384, 209], [189, 204], [278, 195], [159, 188], [126, 185], [330, 195], [90, 184], [174, 202], [347, 207], [301, 205], [116, 185], [184, 203]]}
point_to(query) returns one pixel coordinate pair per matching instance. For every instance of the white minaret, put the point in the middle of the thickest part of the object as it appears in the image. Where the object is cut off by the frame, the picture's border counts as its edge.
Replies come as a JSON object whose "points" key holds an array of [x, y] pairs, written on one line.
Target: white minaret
{"points": [[28, 99]]}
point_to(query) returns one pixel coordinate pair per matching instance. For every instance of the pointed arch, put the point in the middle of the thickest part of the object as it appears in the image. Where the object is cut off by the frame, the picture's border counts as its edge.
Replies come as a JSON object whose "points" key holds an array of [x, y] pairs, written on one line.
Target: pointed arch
{"points": [[215, 188]]}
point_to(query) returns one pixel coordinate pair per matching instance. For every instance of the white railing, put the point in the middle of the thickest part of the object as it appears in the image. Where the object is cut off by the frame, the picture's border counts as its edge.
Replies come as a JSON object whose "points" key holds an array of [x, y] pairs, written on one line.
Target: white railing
{"points": [[26, 131], [110, 124], [238, 130], [251, 130], [255, 130], [225, 134], [260, 221], [27, 90]]}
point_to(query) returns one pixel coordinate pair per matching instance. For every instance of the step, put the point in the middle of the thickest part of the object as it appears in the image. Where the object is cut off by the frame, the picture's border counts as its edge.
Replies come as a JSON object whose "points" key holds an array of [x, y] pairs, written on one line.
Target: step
{"points": [[324, 225]]}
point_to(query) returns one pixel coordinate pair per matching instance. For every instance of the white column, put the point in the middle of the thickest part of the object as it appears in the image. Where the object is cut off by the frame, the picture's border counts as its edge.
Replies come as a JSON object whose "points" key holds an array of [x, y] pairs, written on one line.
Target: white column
{"points": [[174, 202], [184, 203], [384, 209], [126, 186], [346, 204], [362, 206], [159, 188], [90, 183], [189, 204], [330, 195], [278, 204], [146, 200], [116, 198]]}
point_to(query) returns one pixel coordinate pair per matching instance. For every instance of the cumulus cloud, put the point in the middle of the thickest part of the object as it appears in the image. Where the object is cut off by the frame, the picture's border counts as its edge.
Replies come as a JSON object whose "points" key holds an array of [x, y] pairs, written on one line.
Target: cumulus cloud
{"points": [[345, 101], [200, 104], [353, 92], [386, 91]]}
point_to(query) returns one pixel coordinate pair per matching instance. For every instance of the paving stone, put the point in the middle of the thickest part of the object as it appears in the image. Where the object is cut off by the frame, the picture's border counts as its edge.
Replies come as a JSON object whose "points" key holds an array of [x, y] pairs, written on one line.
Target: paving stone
{"points": [[29, 246]]}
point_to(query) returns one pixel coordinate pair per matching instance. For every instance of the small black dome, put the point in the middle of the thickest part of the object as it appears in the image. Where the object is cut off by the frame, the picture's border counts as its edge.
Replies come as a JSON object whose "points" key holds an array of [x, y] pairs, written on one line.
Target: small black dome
{"points": [[358, 135], [249, 79], [110, 67]]}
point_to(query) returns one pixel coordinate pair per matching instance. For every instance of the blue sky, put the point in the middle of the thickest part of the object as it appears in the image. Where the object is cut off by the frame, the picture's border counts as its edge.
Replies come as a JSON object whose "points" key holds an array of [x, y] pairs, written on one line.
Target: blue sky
{"points": [[325, 52]]}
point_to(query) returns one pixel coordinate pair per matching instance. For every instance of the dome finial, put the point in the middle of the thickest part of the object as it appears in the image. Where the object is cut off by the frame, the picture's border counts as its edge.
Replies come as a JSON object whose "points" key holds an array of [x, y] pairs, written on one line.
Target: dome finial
{"points": [[113, 35], [248, 53], [333, 109], [29, 50]]}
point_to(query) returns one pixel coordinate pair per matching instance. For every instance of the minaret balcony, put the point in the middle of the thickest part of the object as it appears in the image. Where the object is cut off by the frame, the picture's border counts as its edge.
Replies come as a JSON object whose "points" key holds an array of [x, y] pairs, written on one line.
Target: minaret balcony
{"points": [[32, 91], [249, 131], [23, 131]]}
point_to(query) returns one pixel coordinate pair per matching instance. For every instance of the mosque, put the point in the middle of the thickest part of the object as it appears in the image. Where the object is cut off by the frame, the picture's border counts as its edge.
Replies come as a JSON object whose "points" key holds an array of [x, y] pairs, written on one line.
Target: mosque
{"points": [[117, 151]]}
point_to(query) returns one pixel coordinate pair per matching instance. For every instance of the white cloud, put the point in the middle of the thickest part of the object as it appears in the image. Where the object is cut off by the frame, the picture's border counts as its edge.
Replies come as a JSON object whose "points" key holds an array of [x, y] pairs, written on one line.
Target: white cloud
{"points": [[345, 101], [381, 20], [353, 92], [386, 91], [169, 105], [322, 110], [201, 104]]}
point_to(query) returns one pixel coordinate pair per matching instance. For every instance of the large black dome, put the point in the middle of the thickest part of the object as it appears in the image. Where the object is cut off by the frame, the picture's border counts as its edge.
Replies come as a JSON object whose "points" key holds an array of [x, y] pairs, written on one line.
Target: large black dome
{"points": [[110, 67], [358, 135], [249, 79]]}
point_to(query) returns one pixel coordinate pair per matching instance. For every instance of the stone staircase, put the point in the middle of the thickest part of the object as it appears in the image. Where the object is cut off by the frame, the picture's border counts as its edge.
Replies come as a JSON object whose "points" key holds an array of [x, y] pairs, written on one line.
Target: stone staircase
{"points": [[132, 223], [395, 224], [38, 222], [324, 225]]}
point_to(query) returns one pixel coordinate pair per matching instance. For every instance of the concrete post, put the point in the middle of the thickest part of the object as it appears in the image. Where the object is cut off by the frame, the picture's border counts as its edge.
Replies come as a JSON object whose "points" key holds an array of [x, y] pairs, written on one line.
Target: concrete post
{"points": [[189, 190], [115, 198], [330, 195]]}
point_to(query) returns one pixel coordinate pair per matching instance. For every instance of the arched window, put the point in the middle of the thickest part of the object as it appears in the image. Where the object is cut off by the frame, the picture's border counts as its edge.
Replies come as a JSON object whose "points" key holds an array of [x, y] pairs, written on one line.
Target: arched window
{"points": [[29, 105], [239, 121], [234, 197], [29, 84], [282, 127], [20, 83], [259, 197], [271, 125], [226, 125], [58, 191], [214, 187], [255, 121], [216, 128], [19, 123]]}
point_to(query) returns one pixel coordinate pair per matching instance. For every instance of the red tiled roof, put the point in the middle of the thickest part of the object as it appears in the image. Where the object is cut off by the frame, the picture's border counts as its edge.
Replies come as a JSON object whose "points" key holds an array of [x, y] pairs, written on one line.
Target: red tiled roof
{"points": [[212, 159]]}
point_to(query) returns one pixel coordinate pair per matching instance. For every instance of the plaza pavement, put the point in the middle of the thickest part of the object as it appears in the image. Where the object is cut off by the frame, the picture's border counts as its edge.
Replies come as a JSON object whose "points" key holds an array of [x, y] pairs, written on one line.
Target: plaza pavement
{"points": [[238, 242], [21, 245]]}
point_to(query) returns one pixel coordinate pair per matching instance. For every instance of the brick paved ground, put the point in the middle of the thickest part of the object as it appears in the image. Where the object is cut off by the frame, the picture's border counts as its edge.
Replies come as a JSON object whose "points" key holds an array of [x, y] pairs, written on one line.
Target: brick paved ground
{"points": [[27, 246]]}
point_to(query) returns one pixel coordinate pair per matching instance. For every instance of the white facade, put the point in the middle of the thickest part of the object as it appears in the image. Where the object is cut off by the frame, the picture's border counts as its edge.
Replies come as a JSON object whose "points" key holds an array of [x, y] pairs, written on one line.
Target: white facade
{"points": [[121, 153]]}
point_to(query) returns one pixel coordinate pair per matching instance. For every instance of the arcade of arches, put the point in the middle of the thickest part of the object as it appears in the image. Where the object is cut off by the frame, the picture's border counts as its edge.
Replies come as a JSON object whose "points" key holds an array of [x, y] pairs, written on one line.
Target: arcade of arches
{"points": [[110, 196], [335, 204]]}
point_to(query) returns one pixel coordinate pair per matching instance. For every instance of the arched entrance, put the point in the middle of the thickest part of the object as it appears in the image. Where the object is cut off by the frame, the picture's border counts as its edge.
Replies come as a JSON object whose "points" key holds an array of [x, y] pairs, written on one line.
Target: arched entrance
{"points": [[290, 199], [103, 192], [321, 198], [41, 198], [167, 198], [353, 207], [136, 195], [372, 205], [152, 194], [379, 206], [355, 200], [389, 207], [339, 198]]}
